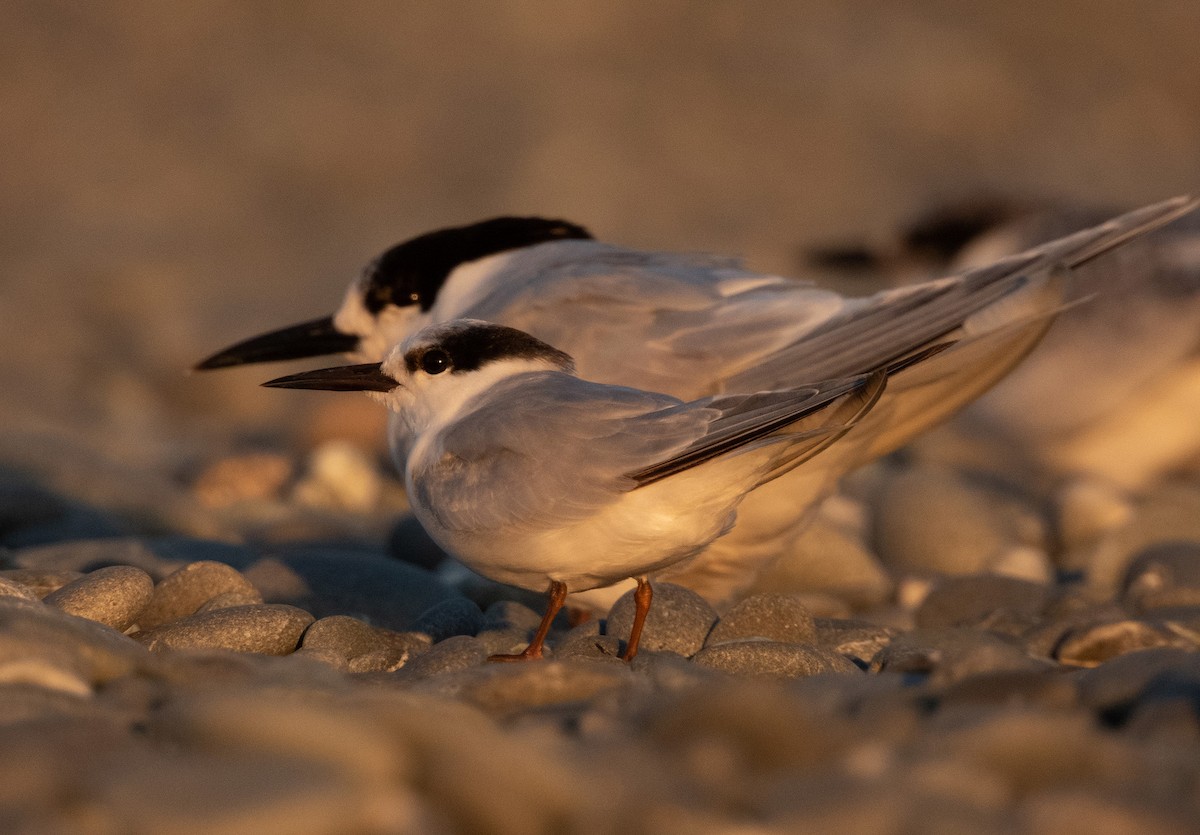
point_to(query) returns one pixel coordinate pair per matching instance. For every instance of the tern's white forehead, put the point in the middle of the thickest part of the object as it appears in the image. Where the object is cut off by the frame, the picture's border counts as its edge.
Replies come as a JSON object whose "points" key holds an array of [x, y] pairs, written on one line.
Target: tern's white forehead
{"points": [[465, 345]]}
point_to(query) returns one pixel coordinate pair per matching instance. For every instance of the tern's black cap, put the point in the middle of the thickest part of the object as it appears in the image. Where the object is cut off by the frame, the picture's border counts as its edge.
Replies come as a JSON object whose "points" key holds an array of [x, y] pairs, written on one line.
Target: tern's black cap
{"points": [[413, 272]]}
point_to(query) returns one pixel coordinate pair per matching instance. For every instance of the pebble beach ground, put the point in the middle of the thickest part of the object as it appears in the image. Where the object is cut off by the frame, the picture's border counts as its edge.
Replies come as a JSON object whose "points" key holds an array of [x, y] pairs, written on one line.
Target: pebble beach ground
{"points": [[215, 613], [171, 684]]}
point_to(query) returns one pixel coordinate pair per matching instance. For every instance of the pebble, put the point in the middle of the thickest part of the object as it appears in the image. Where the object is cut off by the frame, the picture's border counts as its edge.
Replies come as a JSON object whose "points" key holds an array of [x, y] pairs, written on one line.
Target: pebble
{"points": [[830, 559], [930, 519], [947, 654], [61, 647], [272, 629], [39, 581], [359, 647], [1170, 514], [454, 616], [679, 620], [185, 590], [856, 639], [1114, 686], [504, 690], [91, 554], [10, 589], [1163, 575], [365, 585], [984, 601], [230, 599], [1080, 811], [587, 641], [1090, 646], [452, 654], [775, 617], [114, 596], [774, 659]]}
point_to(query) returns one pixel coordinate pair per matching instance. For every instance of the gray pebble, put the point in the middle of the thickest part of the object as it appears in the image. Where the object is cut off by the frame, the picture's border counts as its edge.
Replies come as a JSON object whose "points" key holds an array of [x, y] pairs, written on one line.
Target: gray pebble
{"points": [[1170, 514], [509, 614], [450, 655], [773, 658], [505, 641], [41, 581], [1050, 688], [855, 639], [506, 689], [31, 633], [679, 620], [114, 596], [1163, 575], [1092, 645], [931, 519], [91, 554], [365, 585], [350, 641], [947, 654], [271, 629], [230, 599], [775, 617], [10, 589], [454, 616], [184, 591], [586, 641], [984, 601], [1117, 683], [831, 560]]}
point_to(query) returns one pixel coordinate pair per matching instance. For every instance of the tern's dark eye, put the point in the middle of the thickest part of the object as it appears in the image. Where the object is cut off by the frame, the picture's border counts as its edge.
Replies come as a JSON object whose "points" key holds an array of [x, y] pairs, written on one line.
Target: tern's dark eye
{"points": [[435, 361]]}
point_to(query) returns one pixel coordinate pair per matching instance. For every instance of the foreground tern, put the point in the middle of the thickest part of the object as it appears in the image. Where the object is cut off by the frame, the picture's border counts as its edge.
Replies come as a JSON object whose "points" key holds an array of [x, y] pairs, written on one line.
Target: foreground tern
{"points": [[694, 326], [538, 479]]}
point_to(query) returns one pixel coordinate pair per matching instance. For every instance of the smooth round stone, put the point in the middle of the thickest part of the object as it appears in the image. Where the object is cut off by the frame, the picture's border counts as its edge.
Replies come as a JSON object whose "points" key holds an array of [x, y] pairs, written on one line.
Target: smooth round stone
{"points": [[1088, 509], [828, 559], [114, 596], [501, 689], [360, 584], [855, 639], [679, 620], [454, 616], [988, 601], [1051, 688], [271, 629], [772, 658], [349, 639], [449, 656], [1118, 682], [1170, 514], [773, 617], [1163, 575], [1092, 645], [950, 654], [932, 519], [90, 554], [10, 589], [40, 581], [32, 633], [230, 600], [509, 614], [184, 591], [586, 641]]}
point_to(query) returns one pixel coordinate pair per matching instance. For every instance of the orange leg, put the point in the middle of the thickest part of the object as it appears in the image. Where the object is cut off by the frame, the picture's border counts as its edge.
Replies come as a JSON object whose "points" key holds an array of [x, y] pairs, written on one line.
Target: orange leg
{"points": [[641, 599], [558, 594]]}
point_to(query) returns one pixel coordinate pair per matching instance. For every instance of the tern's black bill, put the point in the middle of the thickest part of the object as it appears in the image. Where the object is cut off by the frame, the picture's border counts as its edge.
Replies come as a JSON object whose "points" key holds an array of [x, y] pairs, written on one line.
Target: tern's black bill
{"points": [[307, 339], [365, 377]]}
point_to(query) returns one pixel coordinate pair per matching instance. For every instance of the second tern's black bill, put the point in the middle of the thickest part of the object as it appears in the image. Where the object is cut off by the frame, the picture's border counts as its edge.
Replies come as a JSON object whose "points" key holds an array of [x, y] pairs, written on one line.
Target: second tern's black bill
{"points": [[365, 377], [307, 339]]}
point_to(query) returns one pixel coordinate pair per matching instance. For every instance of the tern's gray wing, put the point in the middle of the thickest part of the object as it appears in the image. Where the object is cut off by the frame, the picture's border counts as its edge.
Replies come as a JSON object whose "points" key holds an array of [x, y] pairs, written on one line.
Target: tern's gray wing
{"points": [[544, 449], [656, 321], [812, 418], [877, 330]]}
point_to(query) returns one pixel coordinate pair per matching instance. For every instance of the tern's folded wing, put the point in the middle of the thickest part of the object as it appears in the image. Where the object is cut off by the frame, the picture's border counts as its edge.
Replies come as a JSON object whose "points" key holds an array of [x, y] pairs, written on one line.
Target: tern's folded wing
{"points": [[875, 331]]}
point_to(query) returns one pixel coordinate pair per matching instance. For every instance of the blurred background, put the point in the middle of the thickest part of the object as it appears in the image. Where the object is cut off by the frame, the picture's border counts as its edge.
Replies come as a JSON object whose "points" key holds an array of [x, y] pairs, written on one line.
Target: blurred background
{"points": [[179, 176]]}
